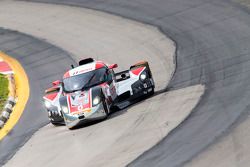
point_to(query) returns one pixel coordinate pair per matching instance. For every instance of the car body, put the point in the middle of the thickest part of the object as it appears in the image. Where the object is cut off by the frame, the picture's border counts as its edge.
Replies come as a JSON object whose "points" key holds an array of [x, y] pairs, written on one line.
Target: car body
{"points": [[89, 92]]}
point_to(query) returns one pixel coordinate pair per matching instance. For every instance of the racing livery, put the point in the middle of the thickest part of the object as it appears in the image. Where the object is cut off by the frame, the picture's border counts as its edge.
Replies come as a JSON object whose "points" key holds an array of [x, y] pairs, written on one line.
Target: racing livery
{"points": [[90, 91]]}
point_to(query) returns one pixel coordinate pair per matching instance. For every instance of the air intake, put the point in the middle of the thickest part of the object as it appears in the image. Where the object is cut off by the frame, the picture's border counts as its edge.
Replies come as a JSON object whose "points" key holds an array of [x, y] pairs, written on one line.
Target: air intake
{"points": [[86, 61]]}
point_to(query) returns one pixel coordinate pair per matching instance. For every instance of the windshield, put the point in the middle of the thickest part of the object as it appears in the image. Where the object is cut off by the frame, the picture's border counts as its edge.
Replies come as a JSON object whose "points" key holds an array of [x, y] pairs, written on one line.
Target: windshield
{"points": [[85, 80]]}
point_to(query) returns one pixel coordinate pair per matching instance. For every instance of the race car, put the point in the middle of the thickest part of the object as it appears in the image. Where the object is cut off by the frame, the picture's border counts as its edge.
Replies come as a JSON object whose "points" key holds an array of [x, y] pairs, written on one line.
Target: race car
{"points": [[89, 91]]}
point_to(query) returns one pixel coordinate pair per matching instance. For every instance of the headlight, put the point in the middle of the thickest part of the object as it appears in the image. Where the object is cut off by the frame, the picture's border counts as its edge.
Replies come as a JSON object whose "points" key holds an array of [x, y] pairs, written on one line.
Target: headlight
{"points": [[47, 104], [96, 100], [65, 109], [143, 75]]}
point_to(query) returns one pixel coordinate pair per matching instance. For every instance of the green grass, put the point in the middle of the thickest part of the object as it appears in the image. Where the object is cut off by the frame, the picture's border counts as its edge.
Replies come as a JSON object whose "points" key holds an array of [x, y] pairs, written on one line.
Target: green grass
{"points": [[4, 91]]}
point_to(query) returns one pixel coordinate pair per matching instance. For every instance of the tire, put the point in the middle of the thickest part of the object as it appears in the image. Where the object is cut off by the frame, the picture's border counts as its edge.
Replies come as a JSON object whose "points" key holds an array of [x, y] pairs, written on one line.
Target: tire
{"points": [[55, 123], [152, 92], [56, 120], [105, 106]]}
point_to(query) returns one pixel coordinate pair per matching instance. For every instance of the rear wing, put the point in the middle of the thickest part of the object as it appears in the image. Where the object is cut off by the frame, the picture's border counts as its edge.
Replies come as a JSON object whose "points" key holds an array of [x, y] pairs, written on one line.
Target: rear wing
{"points": [[123, 75]]}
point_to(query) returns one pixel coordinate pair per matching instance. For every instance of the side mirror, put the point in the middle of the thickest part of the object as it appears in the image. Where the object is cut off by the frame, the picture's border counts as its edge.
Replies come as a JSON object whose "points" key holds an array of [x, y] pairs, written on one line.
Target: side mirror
{"points": [[55, 83], [112, 66]]}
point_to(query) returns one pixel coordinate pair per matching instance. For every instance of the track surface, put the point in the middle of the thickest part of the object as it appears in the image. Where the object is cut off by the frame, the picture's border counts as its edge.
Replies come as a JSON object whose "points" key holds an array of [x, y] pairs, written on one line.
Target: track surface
{"points": [[95, 34], [108, 38], [34, 55], [114, 142], [232, 149], [213, 48]]}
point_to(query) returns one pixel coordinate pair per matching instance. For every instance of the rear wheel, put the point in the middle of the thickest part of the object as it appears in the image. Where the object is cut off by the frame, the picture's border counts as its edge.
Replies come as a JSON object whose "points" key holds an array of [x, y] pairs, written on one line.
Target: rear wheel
{"points": [[152, 92]]}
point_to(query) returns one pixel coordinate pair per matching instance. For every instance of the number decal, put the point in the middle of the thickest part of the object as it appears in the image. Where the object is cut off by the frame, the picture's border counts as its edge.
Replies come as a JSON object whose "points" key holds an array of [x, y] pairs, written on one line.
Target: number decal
{"points": [[80, 107]]}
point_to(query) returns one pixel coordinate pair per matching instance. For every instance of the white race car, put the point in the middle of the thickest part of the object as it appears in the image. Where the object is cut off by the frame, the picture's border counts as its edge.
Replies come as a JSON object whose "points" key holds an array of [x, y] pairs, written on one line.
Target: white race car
{"points": [[89, 92]]}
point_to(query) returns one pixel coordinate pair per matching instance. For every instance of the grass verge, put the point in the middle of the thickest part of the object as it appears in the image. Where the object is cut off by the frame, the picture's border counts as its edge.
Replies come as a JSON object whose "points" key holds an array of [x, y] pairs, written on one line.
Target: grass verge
{"points": [[4, 91]]}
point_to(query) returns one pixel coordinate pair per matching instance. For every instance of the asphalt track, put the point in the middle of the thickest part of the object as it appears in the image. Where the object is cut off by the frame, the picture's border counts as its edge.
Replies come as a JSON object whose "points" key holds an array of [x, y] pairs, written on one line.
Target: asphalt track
{"points": [[28, 51], [120, 39], [130, 126], [213, 48]]}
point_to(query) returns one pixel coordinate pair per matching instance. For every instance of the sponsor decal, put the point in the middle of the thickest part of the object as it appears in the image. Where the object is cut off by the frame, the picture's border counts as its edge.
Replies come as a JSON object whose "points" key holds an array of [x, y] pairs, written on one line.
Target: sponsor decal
{"points": [[78, 102], [82, 71]]}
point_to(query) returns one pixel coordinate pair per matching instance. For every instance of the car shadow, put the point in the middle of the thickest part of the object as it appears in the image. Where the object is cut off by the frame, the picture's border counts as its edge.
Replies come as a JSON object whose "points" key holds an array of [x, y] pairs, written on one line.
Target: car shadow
{"points": [[118, 112]]}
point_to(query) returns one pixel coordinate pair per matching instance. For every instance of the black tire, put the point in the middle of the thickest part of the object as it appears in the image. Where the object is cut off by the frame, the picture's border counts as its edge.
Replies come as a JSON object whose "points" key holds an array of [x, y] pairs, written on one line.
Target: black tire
{"points": [[56, 123], [152, 92], [105, 107], [56, 120]]}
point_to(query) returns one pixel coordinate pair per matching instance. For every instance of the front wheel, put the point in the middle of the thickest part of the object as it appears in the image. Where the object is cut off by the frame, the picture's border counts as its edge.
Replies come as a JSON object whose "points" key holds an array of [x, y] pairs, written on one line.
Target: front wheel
{"points": [[56, 123], [56, 118], [106, 107]]}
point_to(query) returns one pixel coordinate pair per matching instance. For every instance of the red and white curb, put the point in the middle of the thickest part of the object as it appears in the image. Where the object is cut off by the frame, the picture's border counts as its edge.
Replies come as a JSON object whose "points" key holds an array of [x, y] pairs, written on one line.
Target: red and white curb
{"points": [[7, 110], [5, 68], [10, 103]]}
